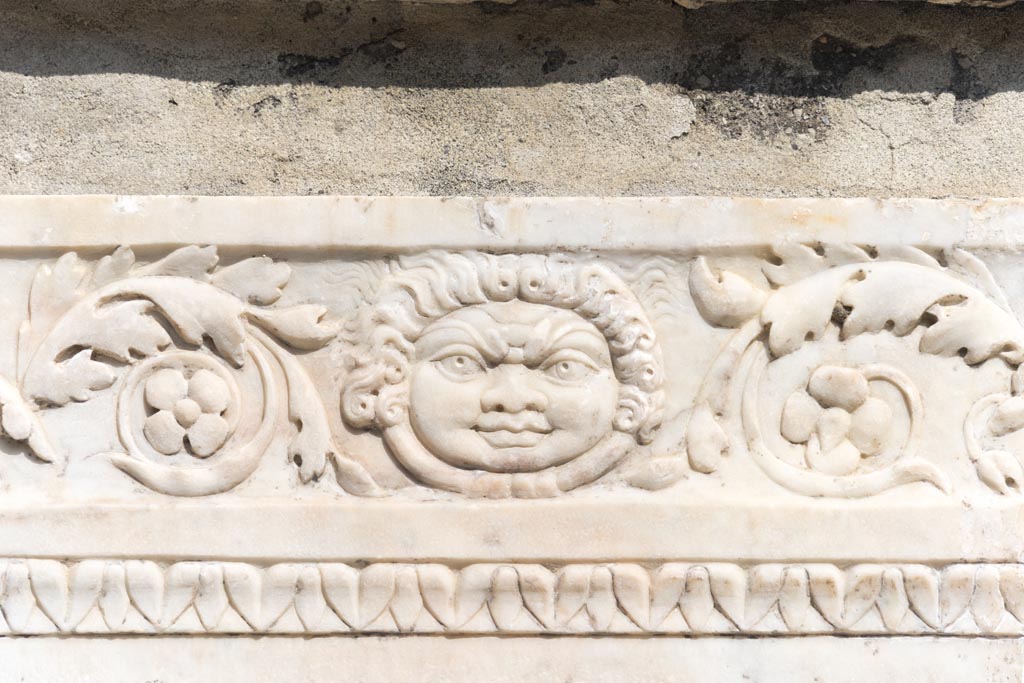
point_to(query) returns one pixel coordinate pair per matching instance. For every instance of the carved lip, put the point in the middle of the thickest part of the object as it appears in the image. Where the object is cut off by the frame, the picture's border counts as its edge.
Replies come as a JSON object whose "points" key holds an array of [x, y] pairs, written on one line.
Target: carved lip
{"points": [[507, 438]]}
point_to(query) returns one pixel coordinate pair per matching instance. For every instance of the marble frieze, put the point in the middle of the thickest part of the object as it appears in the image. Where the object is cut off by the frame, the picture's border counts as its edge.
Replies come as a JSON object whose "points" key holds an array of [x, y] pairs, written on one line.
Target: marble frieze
{"points": [[338, 415]]}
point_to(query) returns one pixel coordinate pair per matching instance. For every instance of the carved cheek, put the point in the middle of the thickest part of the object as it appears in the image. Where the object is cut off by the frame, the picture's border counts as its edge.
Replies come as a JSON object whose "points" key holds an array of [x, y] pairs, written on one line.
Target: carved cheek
{"points": [[438, 404], [586, 408]]}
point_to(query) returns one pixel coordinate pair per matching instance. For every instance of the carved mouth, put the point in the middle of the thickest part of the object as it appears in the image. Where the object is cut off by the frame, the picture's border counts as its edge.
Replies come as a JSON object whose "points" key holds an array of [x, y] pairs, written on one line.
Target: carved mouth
{"points": [[506, 438]]}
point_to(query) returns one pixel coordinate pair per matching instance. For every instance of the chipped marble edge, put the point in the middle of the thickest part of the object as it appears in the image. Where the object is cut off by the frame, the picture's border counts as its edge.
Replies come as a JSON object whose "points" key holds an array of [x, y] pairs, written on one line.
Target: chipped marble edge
{"points": [[396, 224]]}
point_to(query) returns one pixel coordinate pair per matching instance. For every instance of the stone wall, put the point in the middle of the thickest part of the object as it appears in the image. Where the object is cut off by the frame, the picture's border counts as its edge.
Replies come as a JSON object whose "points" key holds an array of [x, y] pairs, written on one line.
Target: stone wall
{"points": [[536, 98]]}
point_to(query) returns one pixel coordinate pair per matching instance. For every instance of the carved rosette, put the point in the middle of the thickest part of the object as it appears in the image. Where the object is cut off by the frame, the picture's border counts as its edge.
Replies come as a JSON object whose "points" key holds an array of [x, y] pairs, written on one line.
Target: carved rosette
{"points": [[210, 376], [815, 301], [525, 375]]}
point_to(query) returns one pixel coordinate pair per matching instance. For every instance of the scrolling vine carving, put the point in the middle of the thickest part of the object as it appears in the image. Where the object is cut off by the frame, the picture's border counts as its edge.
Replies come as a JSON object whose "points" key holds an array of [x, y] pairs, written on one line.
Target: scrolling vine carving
{"points": [[178, 411], [519, 375], [840, 292]]}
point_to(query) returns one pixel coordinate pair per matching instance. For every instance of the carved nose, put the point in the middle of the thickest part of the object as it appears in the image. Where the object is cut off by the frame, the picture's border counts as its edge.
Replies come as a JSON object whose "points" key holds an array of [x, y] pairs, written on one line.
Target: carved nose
{"points": [[511, 392]]}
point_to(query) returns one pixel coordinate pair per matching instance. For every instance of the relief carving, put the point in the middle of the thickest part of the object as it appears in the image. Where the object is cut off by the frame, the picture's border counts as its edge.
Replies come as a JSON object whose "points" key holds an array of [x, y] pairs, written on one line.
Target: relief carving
{"points": [[524, 375], [40, 596], [824, 296], [192, 334], [506, 375]]}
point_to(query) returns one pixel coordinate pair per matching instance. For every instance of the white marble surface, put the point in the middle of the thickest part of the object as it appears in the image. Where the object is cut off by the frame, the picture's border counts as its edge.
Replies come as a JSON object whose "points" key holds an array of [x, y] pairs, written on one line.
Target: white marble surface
{"points": [[508, 660], [337, 415]]}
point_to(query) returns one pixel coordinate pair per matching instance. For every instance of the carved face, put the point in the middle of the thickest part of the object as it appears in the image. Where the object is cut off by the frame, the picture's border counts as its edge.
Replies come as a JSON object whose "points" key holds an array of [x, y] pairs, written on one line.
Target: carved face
{"points": [[511, 387]]}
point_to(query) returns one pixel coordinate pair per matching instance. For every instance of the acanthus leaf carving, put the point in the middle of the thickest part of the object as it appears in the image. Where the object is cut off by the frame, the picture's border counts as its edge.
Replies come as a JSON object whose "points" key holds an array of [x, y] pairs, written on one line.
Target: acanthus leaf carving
{"points": [[187, 316], [815, 289], [116, 311]]}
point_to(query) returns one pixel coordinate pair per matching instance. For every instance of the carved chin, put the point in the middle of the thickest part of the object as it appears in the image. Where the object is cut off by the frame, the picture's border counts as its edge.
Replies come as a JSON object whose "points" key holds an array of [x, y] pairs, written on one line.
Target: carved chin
{"points": [[547, 480], [504, 451]]}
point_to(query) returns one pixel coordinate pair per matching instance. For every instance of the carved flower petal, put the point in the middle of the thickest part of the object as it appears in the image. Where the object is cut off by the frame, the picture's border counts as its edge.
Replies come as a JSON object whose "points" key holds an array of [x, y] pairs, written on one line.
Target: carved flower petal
{"points": [[572, 592], [1008, 416], [794, 598], [18, 602], [376, 588], [49, 580], [164, 433], [114, 600], [437, 588], [893, 602], [632, 586], [870, 425], [832, 428], [601, 605], [1011, 586], [145, 583], [209, 391], [956, 587], [799, 416], [922, 588], [17, 420], [827, 586], [667, 583], [506, 602], [763, 585], [208, 434], [211, 601], [837, 387], [840, 461], [729, 588], [407, 603], [696, 601], [864, 583], [1001, 471], [309, 598], [537, 586], [164, 388], [987, 605]]}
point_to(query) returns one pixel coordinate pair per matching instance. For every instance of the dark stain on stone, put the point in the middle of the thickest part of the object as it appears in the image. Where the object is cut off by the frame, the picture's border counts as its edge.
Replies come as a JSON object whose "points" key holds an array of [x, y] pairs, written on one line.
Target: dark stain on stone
{"points": [[553, 60], [292, 64], [834, 59], [269, 102], [739, 90], [312, 10], [735, 114], [384, 49], [222, 90], [966, 86]]}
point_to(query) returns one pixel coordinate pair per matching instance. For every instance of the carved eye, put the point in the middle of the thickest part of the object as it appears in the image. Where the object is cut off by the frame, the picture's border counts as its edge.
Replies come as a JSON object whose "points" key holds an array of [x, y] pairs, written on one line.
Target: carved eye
{"points": [[460, 365], [569, 369]]}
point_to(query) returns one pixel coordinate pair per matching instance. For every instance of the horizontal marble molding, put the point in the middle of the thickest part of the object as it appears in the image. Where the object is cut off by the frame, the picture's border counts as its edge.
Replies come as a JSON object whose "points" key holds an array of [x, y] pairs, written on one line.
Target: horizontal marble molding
{"points": [[139, 597], [397, 224], [565, 416]]}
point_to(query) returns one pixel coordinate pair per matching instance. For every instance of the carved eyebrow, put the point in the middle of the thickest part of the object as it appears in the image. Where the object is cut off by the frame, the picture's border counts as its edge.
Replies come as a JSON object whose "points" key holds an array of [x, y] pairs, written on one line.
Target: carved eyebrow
{"points": [[451, 332], [573, 336]]}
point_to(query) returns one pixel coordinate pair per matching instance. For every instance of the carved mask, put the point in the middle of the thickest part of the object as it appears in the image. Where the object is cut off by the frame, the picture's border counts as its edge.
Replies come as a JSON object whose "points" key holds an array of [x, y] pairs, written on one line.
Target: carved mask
{"points": [[511, 387]]}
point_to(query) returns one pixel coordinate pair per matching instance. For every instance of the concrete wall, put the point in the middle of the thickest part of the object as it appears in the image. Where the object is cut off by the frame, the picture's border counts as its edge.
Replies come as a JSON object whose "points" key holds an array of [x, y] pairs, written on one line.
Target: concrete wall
{"points": [[559, 97]]}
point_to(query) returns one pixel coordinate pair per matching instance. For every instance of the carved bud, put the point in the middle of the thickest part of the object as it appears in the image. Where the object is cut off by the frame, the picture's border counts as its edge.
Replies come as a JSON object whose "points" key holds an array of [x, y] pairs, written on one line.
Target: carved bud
{"points": [[706, 441], [1000, 471], [1007, 417], [725, 300]]}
